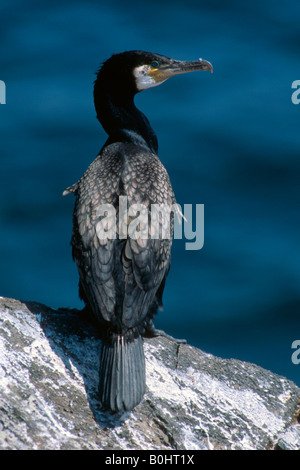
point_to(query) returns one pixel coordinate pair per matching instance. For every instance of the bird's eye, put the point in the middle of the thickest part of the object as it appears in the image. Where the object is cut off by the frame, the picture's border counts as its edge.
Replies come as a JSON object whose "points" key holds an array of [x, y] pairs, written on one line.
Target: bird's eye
{"points": [[155, 64]]}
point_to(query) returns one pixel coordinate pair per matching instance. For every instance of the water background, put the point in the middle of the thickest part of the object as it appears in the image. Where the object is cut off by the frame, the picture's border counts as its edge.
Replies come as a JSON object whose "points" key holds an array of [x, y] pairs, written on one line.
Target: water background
{"points": [[230, 141]]}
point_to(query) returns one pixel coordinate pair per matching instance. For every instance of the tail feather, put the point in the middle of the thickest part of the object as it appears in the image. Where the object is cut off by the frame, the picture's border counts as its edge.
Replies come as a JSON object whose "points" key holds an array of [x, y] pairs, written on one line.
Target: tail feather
{"points": [[122, 373]]}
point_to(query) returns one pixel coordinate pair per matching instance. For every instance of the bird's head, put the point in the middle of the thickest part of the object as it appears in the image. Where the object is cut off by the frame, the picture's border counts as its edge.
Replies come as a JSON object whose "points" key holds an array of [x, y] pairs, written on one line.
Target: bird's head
{"points": [[134, 71], [155, 69]]}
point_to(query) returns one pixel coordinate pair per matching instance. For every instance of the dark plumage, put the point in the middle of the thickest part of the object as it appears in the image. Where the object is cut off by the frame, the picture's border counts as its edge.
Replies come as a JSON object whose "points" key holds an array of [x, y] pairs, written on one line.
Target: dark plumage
{"points": [[122, 279]]}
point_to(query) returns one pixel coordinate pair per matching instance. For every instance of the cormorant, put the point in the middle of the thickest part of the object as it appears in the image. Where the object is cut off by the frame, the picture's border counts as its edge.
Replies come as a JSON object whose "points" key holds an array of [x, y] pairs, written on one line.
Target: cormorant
{"points": [[122, 278]]}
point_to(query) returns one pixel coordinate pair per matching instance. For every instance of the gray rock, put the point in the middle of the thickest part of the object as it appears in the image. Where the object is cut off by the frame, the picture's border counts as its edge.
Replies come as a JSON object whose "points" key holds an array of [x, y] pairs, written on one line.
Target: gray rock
{"points": [[48, 392], [290, 439]]}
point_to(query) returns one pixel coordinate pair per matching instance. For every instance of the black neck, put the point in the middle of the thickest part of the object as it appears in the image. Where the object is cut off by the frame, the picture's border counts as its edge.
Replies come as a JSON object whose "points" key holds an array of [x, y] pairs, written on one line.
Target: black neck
{"points": [[122, 121]]}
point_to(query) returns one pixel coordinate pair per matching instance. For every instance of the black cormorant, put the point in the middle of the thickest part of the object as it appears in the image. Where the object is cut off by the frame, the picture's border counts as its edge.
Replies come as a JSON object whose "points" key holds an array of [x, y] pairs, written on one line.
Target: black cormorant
{"points": [[122, 278]]}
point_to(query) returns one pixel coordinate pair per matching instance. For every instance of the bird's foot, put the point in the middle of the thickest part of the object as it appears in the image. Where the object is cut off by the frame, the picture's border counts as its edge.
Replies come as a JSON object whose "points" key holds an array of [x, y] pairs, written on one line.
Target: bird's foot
{"points": [[153, 332]]}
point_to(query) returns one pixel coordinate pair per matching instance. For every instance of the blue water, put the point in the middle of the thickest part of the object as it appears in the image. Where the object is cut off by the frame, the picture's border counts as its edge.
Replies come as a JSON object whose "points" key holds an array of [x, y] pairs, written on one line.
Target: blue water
{"points": [[230, 141]]}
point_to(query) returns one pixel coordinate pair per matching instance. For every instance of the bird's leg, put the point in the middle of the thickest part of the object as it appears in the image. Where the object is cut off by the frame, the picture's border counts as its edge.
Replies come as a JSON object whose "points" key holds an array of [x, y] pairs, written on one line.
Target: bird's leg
{"points": [[152, 332]]}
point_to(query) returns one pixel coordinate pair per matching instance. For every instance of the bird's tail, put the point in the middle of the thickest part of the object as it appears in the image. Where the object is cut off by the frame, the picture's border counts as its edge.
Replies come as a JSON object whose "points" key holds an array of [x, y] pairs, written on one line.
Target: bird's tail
{"points": [[122, 372]]}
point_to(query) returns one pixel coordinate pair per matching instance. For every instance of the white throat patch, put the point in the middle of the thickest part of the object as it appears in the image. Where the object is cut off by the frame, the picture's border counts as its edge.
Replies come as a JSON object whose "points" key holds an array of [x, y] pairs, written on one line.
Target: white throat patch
{"points": [[142, 79]]}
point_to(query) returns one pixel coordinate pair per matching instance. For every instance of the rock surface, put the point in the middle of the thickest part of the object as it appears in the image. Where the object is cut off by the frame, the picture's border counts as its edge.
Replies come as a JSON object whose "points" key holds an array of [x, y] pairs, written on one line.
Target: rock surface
{"points": [[48, 392]]}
